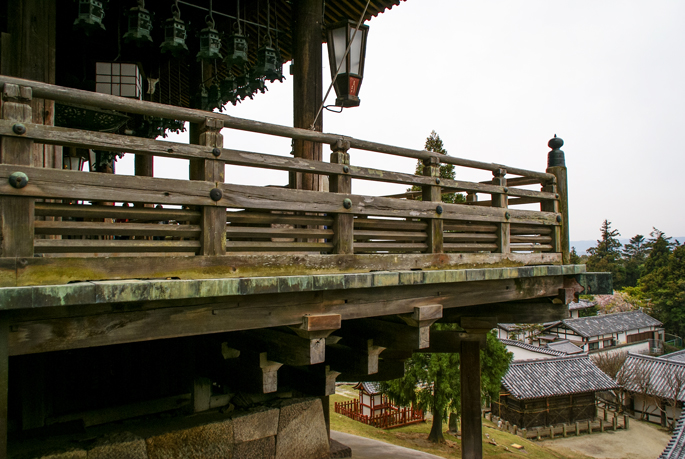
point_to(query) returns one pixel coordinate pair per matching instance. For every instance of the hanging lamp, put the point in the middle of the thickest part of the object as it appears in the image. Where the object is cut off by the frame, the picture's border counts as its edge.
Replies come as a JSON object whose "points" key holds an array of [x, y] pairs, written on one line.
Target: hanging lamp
{"points": [[174, 33], [90, 15], [236, 49], [346, 53], [210, 42], [139, 25]]}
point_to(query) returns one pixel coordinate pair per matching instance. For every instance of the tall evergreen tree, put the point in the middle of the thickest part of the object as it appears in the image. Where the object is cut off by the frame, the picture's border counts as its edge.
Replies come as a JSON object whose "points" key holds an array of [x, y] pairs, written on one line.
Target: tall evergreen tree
{"points": [[434, 144], [606, 256], [660, 248], [634, 255], [665, 287]]}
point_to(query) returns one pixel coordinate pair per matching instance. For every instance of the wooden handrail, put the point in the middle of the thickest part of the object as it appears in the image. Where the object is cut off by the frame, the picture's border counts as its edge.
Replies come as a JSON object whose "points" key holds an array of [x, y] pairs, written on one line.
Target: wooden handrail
{"points": [[109, 102]]}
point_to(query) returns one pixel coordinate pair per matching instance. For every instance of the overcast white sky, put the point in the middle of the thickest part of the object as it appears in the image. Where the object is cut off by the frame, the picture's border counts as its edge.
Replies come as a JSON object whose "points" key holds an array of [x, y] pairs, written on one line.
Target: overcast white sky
{"points": [[496, 79]]}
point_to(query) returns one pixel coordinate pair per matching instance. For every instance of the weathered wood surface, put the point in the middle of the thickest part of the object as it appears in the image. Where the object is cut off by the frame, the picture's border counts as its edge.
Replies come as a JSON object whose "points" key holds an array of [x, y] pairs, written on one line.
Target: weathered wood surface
{"points": [[531, 311], [118, 229], [280, 346], [116, 212], [151, 320], [16, 272], [471, 423], [142, 147], [94, 245]]}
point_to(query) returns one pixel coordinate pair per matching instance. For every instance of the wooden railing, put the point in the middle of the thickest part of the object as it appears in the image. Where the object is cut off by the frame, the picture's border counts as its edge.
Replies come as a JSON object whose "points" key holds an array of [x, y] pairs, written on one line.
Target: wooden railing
{"points": [[391, 418], [67, 211]]}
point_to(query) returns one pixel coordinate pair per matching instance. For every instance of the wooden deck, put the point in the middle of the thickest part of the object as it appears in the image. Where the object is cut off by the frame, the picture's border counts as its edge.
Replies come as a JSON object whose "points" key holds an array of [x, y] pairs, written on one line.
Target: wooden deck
{"points": [[325, 284]]}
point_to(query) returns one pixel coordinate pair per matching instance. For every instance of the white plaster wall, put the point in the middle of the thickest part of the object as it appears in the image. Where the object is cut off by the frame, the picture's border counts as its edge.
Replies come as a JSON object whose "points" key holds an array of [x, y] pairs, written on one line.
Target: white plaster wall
{"points": [[525, 354]]}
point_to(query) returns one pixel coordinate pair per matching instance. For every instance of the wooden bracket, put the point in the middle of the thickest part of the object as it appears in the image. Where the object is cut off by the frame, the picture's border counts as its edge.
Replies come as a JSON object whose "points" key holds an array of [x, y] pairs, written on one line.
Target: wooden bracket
{"points": [[317, 326], [423, 316], [478, 324], [389, 335], [355, 356], [258, 373], [449, 342], [281, 346]]}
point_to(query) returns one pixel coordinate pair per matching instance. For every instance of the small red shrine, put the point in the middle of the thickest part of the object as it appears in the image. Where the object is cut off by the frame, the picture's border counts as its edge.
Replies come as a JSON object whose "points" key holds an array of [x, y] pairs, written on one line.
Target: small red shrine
{"points": [[374, 408]]}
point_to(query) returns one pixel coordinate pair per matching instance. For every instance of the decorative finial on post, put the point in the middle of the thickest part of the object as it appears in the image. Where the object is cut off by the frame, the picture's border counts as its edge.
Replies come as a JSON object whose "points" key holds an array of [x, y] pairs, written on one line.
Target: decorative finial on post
{"points": [[556, 156]]}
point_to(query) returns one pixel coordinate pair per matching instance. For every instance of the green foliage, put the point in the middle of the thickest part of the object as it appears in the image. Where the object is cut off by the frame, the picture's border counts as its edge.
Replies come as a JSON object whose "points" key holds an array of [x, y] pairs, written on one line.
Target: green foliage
{"points": [[434, 144], [660, 248], [575, 259], [432, 381], [664, 286], [634, 255], [588, 312]]}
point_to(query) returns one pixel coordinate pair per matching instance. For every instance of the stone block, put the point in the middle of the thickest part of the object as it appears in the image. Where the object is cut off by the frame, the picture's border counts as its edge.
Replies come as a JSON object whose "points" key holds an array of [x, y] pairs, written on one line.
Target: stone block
{"points": [[302, 430], [255, 424], [74, 454], [264, 448], [123, 445], [210, 441]]}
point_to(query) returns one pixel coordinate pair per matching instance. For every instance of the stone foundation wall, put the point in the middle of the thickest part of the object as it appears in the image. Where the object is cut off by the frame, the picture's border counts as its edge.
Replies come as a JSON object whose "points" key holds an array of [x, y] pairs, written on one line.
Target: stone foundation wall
{"points": [[291, 429]]}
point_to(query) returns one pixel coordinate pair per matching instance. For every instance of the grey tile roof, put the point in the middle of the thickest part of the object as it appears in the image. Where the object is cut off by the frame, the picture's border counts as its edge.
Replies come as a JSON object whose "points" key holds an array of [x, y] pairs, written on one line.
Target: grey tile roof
{"points": [[610, 323], [371, 388], [530, 347], [653, 375], [509, 327], [554, 377], [676, 445], [678, 356], [581, 304], [565, 346]]}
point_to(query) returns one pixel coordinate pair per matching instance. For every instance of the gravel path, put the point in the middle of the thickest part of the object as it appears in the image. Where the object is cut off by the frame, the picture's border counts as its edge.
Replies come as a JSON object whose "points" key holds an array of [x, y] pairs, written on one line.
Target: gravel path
{"points": [[641, 441]]}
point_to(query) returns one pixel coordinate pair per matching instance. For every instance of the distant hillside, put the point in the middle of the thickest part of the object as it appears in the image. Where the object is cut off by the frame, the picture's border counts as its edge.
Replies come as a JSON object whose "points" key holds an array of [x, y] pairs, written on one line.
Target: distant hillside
{"points": [[582, 246]]}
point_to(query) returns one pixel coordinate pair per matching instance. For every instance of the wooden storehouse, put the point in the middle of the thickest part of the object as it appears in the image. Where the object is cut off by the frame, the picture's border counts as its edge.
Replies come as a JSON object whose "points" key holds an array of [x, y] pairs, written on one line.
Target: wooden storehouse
{"points": [[206, 297], [554, 391]]}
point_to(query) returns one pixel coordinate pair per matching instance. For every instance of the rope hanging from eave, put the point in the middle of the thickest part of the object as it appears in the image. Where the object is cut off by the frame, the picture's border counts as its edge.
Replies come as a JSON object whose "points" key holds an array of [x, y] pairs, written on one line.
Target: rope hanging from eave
{"points": [[337, 72]]}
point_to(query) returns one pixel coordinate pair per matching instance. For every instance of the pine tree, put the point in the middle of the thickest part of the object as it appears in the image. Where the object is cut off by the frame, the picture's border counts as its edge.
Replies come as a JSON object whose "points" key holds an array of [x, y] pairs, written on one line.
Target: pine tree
{"points": [[660, 247], [606, 256], [434, 144], [634, 255]]}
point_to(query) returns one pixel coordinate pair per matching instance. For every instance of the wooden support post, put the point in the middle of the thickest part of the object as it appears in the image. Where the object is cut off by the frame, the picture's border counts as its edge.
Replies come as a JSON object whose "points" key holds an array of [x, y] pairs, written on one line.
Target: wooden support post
{"points": [[201, 394], [213, 220], [577, 428], [434, 231], [307, 83], [256, 372], [501, 201], [556, 165], [472, 428], [16, 213], [601, 425], [343, 227], [563, 430], [422, 318], [614, 423], [4, 380], [625, 421], [551, 432], [589, 427], [552, 206]]}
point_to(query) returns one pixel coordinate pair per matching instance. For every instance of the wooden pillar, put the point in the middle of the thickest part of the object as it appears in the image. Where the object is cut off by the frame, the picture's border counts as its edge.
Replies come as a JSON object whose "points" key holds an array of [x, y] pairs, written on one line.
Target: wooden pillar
{"points": [[213, 220], [501, 201], [343, 239], [28, 51], [144, 165], [16, 219], [556, 165], [471, 426], [434, 233], [307, 84]]}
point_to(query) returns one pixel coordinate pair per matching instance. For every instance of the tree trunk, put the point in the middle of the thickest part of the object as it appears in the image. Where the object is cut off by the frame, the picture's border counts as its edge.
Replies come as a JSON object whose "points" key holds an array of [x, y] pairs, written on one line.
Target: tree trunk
{"points": [[436, 429], [452, 424]]}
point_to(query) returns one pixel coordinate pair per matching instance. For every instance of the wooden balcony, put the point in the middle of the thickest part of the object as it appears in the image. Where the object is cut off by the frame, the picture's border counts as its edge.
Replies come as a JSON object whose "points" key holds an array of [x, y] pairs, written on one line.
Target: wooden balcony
{"points": [[71, 230]]}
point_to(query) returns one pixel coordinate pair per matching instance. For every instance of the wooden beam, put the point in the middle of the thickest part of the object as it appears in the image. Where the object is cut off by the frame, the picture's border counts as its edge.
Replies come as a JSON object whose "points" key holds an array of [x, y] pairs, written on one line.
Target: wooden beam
{"points": [[389, 334], [449, 342], [281, 346], [530, 311], [354, 356], [256, 372], [471, 424], [387, 370]]}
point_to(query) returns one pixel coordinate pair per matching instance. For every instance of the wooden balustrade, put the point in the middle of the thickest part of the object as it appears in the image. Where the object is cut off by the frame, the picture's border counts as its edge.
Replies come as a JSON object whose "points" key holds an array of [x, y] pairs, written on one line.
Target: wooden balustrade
{"points": [[205, 216], [391, 417]]}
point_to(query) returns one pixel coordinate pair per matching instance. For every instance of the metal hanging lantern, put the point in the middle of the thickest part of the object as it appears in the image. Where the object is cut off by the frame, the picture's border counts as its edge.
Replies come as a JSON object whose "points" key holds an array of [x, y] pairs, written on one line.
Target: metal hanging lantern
{"points": [[139, 25], [75, 158], [90, 15], [267, 63], [236, 53], [210, 42], [228, 88], [342, 36], [175, 33]]}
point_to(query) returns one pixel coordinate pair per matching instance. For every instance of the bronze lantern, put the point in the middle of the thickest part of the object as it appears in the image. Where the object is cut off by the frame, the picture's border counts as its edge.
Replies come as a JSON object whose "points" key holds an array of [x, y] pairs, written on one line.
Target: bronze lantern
{"points": [[348, 66]]}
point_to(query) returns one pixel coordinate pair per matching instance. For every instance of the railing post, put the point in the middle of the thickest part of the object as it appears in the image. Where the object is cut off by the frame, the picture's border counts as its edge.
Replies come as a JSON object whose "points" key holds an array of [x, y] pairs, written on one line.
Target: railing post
{"points": [[556, 165], [434, 231], [213, 220], [501, 201], [343, 226], [16, 219]]}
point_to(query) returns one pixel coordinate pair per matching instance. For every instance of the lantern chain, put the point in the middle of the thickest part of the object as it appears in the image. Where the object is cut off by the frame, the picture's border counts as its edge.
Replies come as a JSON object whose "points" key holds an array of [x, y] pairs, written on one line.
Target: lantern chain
{"points": [[337, 72]]}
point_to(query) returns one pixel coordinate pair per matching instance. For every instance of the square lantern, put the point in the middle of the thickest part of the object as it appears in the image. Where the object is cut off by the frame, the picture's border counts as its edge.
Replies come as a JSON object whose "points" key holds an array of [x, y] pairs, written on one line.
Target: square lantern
{"points": [[349, 80], [118, 79], [75, 158], [210, 43], [237, 50], [90, 15]]}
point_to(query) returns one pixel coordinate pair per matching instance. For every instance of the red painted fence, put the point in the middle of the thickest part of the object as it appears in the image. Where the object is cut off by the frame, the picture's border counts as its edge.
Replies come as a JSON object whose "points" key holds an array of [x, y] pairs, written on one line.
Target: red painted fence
{"points": [[391, 418]]}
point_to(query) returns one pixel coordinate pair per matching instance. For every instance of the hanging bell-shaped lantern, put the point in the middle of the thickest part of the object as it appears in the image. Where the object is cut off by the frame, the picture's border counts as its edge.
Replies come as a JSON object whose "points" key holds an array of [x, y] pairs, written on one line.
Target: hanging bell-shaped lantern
{"points": [[257, 85], [175, 34], [210, 43], [139, 25], [90, 15], [236, 50]]}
